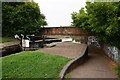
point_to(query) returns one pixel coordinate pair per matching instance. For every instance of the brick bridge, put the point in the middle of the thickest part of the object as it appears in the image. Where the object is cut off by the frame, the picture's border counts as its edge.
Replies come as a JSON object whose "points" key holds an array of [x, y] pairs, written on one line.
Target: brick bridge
{"points": [[71, 31]]}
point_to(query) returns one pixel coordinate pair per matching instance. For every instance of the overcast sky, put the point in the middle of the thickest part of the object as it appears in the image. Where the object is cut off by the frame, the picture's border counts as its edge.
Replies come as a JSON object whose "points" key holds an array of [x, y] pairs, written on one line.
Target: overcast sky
{"points": [[58, 12]]}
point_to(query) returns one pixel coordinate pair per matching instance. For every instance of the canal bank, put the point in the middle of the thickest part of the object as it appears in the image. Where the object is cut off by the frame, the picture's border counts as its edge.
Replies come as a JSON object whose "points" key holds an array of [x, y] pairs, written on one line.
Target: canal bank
{"points": [[8, 48]]}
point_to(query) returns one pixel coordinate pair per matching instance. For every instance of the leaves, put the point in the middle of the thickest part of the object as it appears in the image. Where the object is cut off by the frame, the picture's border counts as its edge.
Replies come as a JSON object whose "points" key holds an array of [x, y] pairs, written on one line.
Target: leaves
{"points": [[21, 18], [102, 19]]}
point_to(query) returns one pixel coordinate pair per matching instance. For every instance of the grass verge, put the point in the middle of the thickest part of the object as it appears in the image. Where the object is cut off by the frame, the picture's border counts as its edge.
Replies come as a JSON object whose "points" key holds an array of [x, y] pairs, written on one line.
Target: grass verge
{"points": [[118, 71], [7, 39], [32, 64]]}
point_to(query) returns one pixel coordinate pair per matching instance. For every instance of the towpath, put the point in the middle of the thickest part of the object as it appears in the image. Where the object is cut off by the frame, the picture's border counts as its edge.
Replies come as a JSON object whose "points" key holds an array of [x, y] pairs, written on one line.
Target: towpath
{"points": [[97, 66]]}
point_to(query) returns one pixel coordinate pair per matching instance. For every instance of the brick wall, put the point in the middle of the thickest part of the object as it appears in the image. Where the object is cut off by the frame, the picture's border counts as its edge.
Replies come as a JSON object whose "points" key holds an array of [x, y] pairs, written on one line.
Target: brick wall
{"points": [[63, 31]]}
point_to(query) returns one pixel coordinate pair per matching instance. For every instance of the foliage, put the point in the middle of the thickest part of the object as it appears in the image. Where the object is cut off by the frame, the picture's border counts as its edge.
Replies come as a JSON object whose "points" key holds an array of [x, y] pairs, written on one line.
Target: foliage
{"points": [[7, 39], [118, 71], [21, 18], [32, 64], [102, 19]]}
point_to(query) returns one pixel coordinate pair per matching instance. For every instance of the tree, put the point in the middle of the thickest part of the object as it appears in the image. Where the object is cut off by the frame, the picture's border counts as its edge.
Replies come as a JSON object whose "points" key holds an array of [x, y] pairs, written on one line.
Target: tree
{"points": [[80, 19], [102, 19], [21, 18]]}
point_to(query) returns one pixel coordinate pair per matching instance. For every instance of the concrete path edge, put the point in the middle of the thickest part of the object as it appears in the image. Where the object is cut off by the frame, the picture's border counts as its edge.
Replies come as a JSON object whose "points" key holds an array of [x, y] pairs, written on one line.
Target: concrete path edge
{"points": [[74, 63]]}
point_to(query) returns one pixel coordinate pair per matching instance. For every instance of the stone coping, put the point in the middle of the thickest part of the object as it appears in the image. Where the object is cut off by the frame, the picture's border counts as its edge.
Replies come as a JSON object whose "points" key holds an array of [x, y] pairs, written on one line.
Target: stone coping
{"points": [[74, 63]]}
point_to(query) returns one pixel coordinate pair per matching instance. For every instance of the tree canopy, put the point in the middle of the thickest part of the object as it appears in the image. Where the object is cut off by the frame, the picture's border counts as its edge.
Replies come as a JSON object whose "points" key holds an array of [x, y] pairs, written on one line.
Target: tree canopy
{"points": [[21, 18], [102, 19]]}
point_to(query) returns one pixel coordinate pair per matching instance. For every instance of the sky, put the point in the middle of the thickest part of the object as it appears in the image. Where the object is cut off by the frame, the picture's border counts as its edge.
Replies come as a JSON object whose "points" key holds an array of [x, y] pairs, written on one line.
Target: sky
{"points": [[58, 12]]}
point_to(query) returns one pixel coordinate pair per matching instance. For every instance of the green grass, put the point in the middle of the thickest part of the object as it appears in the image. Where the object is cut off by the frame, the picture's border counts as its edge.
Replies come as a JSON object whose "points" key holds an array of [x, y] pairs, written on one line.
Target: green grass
{"points": [[118, 71], [7, 39], [32, 64]]}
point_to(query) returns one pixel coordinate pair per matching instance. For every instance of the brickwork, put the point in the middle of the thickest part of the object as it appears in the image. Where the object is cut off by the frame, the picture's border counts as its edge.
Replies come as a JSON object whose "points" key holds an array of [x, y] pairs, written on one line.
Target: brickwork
{"points": [[63, 31]]}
